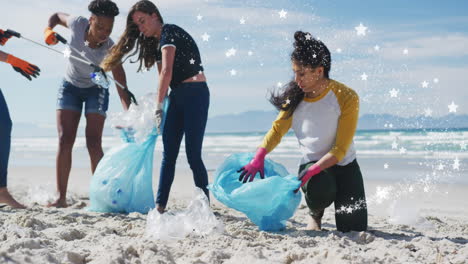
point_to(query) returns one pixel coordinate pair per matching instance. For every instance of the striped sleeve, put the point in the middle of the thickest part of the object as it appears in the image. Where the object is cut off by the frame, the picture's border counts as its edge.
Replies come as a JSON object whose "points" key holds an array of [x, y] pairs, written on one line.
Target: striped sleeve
{"points": [[278, 129], [347, 123]]}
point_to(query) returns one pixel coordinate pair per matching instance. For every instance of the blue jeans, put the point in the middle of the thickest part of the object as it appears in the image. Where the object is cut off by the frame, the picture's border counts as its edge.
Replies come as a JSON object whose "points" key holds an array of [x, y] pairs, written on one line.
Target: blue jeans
{"points": [[187, 114], [71, 97], [5, 140]]}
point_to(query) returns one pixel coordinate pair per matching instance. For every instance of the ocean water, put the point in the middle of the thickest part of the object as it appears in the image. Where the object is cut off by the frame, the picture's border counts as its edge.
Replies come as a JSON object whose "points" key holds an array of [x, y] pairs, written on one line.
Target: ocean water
{"points": [[439, 155]]}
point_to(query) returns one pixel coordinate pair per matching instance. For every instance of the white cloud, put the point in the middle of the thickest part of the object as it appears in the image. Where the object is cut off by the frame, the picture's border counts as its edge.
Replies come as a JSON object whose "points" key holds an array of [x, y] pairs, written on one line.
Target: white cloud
{"points": [[449, 45], [270, 38]]}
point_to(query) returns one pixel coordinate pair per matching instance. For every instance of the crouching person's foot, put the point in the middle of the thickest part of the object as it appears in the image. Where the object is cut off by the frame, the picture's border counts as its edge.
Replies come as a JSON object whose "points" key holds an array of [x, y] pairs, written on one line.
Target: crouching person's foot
{"points": [[6, 198], [315, 220], [59, 203]]}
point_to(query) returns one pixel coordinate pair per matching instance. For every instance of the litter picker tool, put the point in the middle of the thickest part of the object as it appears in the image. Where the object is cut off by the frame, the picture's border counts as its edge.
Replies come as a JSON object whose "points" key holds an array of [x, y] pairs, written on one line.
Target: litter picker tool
{"points": [[98, 76]]}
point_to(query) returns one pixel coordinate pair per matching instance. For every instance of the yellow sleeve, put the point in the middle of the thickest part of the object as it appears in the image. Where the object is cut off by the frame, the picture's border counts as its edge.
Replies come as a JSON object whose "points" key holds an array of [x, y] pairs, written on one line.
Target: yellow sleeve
{"points": [[278, 129], [347, 123]]}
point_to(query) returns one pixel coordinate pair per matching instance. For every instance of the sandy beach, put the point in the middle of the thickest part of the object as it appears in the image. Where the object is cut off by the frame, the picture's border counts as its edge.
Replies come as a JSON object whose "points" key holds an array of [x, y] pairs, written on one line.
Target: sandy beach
{"points": [[436, 230]]}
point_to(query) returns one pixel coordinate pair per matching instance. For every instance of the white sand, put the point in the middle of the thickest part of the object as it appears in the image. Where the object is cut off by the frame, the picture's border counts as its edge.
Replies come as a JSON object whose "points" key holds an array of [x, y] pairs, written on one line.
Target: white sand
{"points": [[437, 233]]}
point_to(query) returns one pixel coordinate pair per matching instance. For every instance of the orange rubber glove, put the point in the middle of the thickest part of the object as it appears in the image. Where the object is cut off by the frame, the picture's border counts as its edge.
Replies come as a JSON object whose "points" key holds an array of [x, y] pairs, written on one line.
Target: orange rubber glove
{"points": [[25, 68], [49, 36], [4, 36]]}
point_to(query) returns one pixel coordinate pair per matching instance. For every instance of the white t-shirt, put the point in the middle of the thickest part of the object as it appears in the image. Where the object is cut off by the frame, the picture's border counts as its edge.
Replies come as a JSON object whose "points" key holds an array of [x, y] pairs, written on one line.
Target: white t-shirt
{"points": [[325, 124]]}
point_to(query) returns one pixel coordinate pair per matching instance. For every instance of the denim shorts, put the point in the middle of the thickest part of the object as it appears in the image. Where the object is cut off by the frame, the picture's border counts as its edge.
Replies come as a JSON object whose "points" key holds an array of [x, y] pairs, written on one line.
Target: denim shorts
{"points": [[70, 97]]}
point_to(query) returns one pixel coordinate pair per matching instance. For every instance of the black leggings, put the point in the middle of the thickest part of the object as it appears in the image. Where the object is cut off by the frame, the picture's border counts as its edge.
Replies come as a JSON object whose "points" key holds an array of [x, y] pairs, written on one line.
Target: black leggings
{"points": [[342, 185]]}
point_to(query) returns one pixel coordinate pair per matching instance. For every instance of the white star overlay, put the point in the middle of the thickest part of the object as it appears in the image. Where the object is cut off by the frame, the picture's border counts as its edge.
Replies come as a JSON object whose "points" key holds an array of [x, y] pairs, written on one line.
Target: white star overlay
{"points": [[279, 84], [385, 166], [427, 112], [308, 36], [233, 72], [394, 92], [250, 53], [456, 164], [199, 17], [282, 13], [405, 51], [338, 50], [361, 30], [205, 37], [452, 107], [382, 194], [376, 47], [463, 145], [440, 166], [424, 84], [86, 43], [231, 52], [364, 76], [66, 53], [192, 61], [436, 80], [242, 21], [402, 150], [394, 145]]}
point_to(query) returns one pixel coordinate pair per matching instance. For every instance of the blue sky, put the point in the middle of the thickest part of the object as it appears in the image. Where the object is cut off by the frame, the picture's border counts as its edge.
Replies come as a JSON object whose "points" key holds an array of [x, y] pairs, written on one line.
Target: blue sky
{"points": [[433, 33]]}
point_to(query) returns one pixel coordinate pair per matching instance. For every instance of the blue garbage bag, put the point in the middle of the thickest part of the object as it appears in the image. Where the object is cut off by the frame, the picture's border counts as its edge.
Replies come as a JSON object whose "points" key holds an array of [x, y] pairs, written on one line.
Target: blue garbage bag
{"points": [[123, 180], [268, 202]]}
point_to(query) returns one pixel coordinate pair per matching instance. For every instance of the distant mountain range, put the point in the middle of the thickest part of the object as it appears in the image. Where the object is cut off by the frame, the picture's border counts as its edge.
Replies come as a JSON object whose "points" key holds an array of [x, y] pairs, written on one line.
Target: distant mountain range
{"points": [[387, 121], [260, 121]]}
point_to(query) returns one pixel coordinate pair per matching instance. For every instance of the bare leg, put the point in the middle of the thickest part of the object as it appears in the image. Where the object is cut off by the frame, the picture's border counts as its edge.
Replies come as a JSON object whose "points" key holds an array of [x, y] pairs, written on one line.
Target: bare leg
{"points": [[67, 125], [94, 128], [6, 198], [315, 219], [314, 224]]}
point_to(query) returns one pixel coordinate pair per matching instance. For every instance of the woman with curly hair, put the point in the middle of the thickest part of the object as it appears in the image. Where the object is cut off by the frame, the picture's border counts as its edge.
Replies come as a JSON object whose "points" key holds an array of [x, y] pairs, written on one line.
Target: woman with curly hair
{"points": [[177, 56], [323, 114], [90, 41]]}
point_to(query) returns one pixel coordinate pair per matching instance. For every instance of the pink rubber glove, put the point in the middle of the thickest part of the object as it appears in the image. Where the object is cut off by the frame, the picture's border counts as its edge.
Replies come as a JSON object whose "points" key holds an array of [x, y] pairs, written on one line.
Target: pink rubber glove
{"points": [[305, 175], [255, 165]]}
